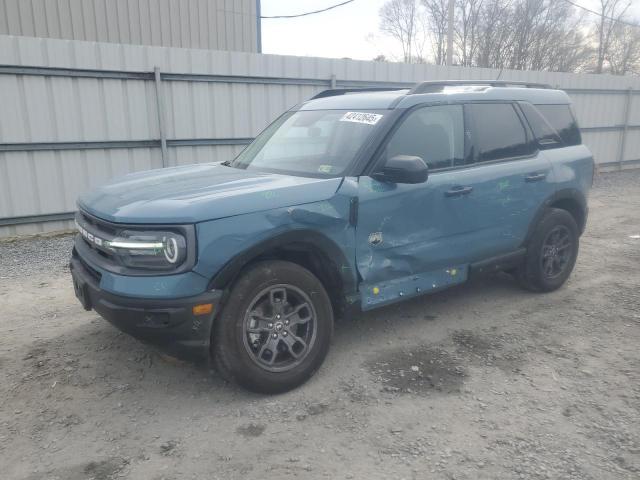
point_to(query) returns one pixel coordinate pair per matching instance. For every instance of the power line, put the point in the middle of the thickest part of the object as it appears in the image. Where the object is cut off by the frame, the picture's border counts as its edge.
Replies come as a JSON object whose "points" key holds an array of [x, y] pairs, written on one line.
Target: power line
{"points": [[311, 13], [617, 20]]}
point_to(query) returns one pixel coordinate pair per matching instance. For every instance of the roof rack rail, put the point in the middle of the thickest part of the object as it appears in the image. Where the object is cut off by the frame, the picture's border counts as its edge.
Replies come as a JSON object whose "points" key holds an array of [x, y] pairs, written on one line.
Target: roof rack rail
{"points": [[342, 91], [438, 85]]}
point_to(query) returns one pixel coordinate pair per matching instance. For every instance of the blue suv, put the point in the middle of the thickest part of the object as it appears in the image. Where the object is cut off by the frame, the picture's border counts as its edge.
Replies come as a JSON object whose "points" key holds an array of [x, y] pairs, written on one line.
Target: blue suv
{"points": [[351, 200]]}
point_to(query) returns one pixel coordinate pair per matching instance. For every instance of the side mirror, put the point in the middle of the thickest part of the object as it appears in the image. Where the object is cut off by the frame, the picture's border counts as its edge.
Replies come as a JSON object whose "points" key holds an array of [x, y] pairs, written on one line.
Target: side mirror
{"points": [[403, 169]]}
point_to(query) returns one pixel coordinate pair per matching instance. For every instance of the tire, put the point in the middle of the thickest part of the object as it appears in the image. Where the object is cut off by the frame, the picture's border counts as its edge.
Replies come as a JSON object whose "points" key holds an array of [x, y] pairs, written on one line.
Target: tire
{"points": [[556, 228], [273, 298]]}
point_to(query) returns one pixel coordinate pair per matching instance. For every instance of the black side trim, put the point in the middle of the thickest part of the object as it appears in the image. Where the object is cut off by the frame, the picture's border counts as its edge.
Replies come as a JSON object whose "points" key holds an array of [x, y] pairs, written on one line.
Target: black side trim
{"points": [[497, 263], [571, 194], [332, 251], [353, 211]]}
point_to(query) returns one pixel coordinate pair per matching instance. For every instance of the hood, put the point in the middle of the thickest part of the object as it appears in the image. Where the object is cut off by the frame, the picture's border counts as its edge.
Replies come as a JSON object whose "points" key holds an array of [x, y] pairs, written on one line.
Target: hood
{"points": [[197, 193]]}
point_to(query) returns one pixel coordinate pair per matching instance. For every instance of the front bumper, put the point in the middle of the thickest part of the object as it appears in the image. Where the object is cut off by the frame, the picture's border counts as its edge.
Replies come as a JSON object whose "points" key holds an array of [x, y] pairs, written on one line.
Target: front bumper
{"points": [[168, 324]]}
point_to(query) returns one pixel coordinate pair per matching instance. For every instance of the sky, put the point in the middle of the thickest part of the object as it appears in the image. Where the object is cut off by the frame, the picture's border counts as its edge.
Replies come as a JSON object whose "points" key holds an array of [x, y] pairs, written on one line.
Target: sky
{"points": [[338, 33], [349, 31]]}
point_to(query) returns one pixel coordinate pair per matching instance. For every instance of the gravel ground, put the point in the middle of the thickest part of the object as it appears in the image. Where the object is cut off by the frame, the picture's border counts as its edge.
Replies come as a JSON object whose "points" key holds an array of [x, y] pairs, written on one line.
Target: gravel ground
{"points": [[483, 381], [21, 258]]}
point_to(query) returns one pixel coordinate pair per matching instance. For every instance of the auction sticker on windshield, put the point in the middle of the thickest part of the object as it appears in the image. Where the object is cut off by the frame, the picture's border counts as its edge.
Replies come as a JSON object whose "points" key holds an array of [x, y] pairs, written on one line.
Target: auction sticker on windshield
{"points": [[361, 117]]}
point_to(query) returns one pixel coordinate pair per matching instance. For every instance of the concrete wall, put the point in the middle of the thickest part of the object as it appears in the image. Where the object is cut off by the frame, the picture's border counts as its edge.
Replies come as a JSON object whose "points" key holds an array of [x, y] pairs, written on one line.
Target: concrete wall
{"points": [[76, 114]]}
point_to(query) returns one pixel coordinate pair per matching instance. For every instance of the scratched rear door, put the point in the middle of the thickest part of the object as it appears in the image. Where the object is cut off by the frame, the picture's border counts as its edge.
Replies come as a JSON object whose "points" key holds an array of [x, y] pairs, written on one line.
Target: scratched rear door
{"points": [[512, 176]]}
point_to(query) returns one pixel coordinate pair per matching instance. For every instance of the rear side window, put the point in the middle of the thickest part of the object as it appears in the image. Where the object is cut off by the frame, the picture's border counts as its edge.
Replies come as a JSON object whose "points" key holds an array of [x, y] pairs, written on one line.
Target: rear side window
{"points": [[561, 118], [498, 132], [545, 134]]}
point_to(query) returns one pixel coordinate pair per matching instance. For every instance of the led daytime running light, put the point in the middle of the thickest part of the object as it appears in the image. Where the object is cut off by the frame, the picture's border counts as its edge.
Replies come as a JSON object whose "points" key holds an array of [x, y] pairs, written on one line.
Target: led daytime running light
{"points": [[135, 245], [171, 250]]}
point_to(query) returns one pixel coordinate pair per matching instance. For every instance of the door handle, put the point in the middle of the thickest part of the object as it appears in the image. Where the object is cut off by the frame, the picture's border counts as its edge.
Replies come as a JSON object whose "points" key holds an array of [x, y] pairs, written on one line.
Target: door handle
{"points": [[535, 177], [458, 191]]}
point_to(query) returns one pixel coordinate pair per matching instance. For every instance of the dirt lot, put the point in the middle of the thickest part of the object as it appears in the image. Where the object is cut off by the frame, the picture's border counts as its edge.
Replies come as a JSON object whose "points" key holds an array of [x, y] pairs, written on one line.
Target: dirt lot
{"points": [[484, 381]]}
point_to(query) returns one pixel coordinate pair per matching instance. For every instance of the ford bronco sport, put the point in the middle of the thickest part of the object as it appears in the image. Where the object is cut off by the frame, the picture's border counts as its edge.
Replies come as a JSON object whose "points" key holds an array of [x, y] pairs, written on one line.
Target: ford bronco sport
{"points": [[353, 199]]}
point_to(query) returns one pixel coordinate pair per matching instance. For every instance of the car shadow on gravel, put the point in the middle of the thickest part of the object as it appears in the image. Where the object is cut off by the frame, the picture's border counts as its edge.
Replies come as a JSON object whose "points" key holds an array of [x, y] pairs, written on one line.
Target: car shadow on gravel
{"points": [[439, 367], [443, 367], [420, 370], [475, 291], [96, 355]]}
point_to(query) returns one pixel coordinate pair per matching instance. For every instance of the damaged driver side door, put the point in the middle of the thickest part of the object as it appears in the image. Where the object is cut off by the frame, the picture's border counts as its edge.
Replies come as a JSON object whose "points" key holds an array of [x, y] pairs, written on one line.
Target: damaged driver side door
{"points": [[415, 238]]}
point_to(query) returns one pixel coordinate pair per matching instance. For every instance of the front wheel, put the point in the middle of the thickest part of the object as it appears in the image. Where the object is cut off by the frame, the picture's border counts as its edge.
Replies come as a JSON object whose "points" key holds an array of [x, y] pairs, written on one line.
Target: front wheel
{"points": [[551, 253], [275, 329]]}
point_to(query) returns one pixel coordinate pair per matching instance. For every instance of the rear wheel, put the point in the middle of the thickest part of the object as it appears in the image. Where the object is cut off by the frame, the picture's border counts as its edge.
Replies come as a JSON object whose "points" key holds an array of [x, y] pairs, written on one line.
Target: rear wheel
{"points": [[275, 329], [551, 253]]}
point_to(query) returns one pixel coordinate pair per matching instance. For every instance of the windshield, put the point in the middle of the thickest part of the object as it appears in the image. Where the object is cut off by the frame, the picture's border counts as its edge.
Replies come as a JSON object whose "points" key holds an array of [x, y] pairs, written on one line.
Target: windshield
{"points": [[310, 143]]}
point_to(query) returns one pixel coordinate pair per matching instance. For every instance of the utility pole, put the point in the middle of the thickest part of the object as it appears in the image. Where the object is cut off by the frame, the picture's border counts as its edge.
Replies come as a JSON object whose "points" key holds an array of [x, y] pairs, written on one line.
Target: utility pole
{"points": [[407, 57], [259, 24], [452, 5]]}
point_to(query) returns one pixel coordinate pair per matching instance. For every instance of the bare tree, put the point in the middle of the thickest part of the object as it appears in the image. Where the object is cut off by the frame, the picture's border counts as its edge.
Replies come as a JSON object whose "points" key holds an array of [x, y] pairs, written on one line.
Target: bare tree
{"points": [[436, 13], [521, 34], [554, 40], [467, 30], [611, 12], [623, 55], [399, 19], [517, 34], [495, 35]]}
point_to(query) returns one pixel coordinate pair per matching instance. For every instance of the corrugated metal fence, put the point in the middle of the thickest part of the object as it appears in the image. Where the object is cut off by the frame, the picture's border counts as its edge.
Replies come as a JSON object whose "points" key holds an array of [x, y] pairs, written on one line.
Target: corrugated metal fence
{"points": [[215, 24], [75, 114]]}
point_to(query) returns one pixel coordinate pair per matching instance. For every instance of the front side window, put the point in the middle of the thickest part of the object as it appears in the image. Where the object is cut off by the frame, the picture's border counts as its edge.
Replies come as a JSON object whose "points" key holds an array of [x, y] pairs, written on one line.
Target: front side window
{"points": [[499, 133], [310, 143], [561, 118], [435, 134]]}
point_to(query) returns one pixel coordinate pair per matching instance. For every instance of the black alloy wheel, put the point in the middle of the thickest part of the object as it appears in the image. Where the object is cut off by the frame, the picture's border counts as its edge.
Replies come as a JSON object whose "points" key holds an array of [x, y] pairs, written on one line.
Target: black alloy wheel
{"points": [[274, 329], [280, 327], [552, 251], [557, 251]]}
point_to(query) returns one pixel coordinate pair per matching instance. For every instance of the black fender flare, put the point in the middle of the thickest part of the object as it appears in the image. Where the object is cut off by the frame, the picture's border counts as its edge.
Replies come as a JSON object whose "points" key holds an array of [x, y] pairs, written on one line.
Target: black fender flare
{"points": [[571, 194], [333, 253]]}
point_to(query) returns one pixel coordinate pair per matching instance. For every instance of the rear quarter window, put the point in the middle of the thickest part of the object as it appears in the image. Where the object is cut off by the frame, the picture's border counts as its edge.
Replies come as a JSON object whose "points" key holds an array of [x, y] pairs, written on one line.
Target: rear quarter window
{"points": [[546, 136], [561, 118]]}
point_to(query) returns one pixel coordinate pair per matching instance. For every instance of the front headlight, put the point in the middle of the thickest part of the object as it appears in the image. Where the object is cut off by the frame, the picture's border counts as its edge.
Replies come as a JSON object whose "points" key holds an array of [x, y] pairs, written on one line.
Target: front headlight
{"points": [[151, 250]]}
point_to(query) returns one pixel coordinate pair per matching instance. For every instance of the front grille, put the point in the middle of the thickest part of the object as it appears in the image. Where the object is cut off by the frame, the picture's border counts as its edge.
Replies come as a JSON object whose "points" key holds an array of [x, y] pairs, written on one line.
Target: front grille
{"points": [[100, 225], [99, 229]]}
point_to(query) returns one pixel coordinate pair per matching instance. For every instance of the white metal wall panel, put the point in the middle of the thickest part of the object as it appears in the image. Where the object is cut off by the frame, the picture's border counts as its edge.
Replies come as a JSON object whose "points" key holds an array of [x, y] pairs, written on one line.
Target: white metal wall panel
{"points": [[632, 146], [603, 145], [171, 23], [40, 109], [60, 109], [204, 154], [33, 228], [599, 109], [634, 110]]}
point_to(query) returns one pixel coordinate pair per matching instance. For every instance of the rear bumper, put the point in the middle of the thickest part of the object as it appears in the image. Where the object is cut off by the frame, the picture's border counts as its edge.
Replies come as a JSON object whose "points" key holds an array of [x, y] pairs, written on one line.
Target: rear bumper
{"points": [[168, 324]]}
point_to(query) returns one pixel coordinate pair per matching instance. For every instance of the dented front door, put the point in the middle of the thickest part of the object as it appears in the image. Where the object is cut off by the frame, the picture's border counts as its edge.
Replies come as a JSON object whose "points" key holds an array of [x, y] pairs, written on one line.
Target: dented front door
{"points": [[411, 239]]}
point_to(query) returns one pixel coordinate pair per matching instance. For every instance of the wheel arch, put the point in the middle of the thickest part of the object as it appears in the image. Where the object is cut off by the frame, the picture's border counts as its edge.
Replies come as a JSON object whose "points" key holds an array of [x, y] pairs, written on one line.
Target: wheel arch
{"points": [[571, 200], [309, 249]]}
